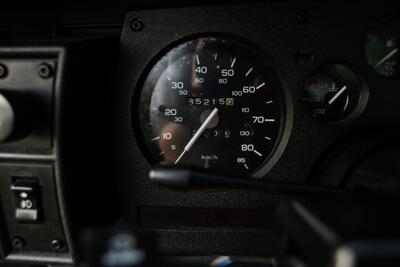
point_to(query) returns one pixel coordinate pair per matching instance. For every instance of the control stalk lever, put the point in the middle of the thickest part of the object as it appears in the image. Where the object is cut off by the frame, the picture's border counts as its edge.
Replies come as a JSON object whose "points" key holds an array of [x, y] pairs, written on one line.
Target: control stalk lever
{"points": [[189, 179]]}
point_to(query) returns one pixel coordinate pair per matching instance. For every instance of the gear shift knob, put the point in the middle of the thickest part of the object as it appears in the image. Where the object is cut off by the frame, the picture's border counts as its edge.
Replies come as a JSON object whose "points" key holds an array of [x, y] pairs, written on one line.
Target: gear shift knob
{"points": [[6, 119]]}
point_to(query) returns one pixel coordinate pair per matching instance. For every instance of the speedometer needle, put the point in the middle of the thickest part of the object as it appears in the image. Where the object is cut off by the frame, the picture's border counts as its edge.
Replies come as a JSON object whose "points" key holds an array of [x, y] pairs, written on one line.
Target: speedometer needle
{"points": [[198, 133]]}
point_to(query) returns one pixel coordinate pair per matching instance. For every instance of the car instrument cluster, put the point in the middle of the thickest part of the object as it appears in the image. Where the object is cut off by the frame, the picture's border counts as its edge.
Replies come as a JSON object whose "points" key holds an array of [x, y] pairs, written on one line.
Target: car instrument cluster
{"points": [[266, 91], [220, 102]]}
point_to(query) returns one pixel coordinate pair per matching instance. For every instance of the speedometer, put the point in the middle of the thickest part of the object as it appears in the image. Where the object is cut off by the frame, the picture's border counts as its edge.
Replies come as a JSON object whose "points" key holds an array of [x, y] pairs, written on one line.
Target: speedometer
{"points": [[214, 103]]}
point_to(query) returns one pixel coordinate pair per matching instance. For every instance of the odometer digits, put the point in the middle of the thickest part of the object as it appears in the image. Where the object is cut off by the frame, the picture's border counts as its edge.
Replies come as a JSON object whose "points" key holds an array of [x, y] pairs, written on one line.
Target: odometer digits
{"points": [[213, 103]]}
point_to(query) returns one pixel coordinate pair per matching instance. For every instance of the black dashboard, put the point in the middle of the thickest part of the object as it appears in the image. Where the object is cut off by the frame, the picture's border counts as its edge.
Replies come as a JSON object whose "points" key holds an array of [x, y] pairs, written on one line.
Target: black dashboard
{"points": [[95, 96]]}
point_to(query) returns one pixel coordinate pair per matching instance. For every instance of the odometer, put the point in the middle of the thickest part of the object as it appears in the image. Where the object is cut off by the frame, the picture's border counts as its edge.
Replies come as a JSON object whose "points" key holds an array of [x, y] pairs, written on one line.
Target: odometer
{"points": [[214, 103]]}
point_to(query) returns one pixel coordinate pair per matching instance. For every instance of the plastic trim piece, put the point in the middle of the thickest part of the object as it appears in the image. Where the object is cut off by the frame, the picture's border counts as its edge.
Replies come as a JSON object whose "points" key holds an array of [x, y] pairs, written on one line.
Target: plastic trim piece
{"points": [[58, 54]]}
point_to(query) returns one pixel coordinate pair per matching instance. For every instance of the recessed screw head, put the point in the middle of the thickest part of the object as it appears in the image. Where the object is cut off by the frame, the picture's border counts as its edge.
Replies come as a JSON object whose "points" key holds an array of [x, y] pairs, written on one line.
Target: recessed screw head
{"points": [[57, 244], [45, 70], [303, 16], [136, 25], [18, 242], [3, 71]]}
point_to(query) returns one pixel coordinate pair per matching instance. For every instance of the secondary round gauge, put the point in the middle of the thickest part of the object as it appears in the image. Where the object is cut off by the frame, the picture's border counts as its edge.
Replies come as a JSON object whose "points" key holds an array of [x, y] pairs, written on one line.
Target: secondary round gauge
{"points": [[216, 104], [335, 93], [382, 47]]}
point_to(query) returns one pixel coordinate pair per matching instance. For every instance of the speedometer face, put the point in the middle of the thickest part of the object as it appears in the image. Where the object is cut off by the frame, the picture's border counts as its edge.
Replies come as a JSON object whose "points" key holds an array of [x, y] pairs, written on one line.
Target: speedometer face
{"points": [[213, 103]]}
